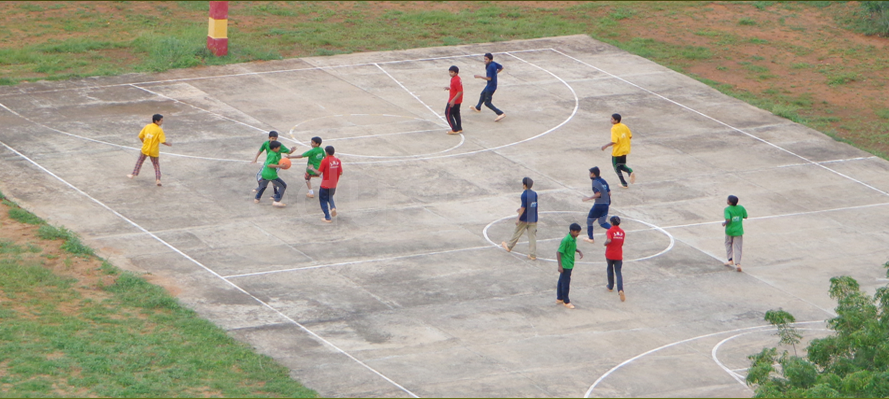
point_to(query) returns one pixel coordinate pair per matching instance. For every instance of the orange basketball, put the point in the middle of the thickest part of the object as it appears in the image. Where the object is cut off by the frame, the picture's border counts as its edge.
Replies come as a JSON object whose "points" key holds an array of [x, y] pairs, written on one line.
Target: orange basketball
{"points": [[284, 163]]}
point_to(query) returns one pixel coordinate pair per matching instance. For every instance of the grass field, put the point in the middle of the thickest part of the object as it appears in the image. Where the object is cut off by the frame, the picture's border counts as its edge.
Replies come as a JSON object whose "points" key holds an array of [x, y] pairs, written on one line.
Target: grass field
{"points": [[805, 61], [73, 325]]}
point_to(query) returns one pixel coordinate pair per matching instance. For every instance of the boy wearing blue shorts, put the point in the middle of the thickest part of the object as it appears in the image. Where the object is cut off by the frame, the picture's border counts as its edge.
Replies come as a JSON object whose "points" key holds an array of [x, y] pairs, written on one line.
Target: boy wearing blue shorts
{"points": [[599, 211]]}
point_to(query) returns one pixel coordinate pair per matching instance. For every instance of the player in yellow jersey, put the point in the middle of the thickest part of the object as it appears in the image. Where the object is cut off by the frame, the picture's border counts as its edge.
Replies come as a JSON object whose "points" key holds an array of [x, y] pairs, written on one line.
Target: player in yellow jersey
{"points": [[152, 137], [620, 139]]}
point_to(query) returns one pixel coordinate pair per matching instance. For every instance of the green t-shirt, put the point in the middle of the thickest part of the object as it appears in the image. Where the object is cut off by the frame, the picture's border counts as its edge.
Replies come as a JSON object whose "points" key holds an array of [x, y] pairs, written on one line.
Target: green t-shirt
{"points": [[735, 213], [567, 249], [267, 172], [315, 155], [265, 147]]}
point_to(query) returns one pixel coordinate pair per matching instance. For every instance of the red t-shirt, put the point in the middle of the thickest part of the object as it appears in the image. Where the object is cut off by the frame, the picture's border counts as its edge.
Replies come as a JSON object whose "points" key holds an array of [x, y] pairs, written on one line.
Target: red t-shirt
{"points": [[456, 86], [331, 168], [614, 250]]}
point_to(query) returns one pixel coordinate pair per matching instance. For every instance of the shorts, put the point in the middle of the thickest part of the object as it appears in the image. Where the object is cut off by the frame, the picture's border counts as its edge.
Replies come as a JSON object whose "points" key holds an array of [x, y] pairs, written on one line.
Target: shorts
{"points": [[598, 211], [310, 174]]}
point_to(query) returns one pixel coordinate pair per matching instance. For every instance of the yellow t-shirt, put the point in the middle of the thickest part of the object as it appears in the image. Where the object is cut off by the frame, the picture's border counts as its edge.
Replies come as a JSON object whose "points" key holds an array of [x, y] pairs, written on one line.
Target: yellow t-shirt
{"points": [[620, 136], [152, 136]]}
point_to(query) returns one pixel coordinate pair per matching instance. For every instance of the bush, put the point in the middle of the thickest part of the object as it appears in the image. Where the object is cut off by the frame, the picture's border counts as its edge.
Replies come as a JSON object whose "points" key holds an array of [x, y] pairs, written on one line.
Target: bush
{"points": [[876, 17], [854, 362]]}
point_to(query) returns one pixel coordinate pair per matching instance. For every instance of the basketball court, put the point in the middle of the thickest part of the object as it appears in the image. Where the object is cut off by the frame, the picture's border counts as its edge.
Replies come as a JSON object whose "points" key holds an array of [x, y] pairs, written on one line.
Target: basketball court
{"points": [[408, 293]]}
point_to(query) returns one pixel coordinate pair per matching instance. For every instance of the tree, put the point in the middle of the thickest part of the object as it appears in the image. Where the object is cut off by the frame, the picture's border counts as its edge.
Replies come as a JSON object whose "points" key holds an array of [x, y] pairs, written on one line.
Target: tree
{"points": [[854, 362]]}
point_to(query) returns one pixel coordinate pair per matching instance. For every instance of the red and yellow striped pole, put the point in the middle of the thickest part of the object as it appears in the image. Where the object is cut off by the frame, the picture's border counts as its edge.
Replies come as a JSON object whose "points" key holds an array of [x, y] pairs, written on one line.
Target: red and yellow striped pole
{"points": [[217, 38]]}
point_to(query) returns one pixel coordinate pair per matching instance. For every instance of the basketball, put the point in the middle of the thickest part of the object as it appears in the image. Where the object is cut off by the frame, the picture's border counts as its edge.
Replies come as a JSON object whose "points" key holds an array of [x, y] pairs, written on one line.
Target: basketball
{"points": [[284, 163]]}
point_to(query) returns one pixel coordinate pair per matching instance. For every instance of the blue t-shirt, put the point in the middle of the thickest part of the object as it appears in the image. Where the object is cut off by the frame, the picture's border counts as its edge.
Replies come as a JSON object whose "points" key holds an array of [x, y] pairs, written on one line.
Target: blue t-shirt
{"points": [[491, 72], [601, 186], [529, 202]]}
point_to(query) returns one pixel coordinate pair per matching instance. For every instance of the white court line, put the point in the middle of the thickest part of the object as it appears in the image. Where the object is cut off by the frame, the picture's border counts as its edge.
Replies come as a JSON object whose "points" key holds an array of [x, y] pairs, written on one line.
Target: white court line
{"points": [[495, 245], [112, 144], [413, 95], [726, 124], [637, 357], [234, 75], [784, 215], [437, 155], [741, 380], [823, 162], [733, 373], [199, 108], [355, 262], [235, 286]]}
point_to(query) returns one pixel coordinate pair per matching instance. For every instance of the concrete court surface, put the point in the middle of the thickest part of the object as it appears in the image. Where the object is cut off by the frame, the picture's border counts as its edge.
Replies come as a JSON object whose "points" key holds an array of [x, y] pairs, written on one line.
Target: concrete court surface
{"points": [[407, 293]]}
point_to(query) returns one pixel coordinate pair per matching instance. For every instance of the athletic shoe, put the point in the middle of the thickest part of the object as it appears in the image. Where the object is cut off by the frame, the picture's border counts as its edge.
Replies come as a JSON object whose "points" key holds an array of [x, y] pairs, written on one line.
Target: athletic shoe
{"points": [[499, 117], [738, 266], [632, 177], [131, 176], [279, 204], [327, 220], [474, 109], [568, 305], [453, 132], [532, 257], [589, 240], [506, 247], [622, 296], [729, 264], [333, 212], [459, 131]]}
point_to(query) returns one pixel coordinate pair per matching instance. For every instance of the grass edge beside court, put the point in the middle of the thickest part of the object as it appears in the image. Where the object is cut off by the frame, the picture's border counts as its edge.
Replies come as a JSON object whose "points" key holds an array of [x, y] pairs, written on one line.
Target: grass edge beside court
{"points": [[75, 325]]}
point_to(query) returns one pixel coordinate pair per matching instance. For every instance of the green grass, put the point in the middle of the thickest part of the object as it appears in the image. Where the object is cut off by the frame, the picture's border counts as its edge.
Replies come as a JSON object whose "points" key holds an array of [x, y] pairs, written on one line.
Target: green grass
{"points": [[131, 340], [747, 21], [882, 113]]}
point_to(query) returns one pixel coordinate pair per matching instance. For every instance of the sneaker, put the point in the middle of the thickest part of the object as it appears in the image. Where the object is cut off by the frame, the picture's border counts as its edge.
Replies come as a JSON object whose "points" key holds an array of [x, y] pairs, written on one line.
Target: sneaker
{"points": [[451, 132], [131, 176], [506, 247], [738, 268], [326, 220], [589, 240], [333, 212], [459, 131], [729, 264], [560, 302], [532, 257], [622, 296], [279, 204], [475, 109], [310, 195], [499, 117], [568, 305], [632, 177]]}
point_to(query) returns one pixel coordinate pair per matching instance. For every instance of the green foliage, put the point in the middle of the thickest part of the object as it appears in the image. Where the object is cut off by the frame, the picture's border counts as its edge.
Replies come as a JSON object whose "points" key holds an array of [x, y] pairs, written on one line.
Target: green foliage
{"points": [[876, 17], [854, 362], [23, 216], [747, 21], [783, 320], [882, 113]]}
